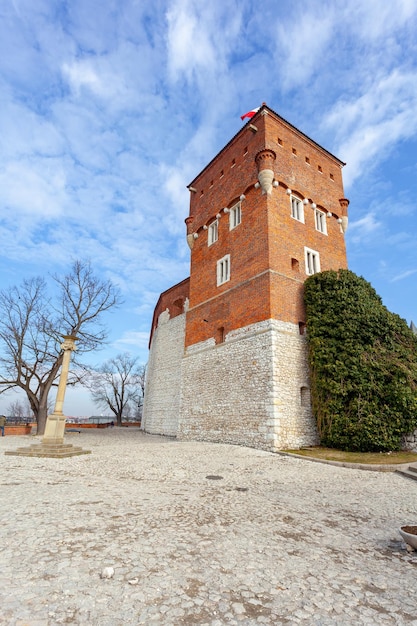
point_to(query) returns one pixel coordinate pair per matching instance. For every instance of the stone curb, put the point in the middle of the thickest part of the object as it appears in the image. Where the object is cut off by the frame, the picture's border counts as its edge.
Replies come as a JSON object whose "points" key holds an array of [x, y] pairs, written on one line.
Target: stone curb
{"points": [[362, 466]]}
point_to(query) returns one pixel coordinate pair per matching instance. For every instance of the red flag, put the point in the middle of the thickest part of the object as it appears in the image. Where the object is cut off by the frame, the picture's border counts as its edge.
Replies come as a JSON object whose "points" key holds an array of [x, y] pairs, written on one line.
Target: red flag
{"points": [[250, 114]]}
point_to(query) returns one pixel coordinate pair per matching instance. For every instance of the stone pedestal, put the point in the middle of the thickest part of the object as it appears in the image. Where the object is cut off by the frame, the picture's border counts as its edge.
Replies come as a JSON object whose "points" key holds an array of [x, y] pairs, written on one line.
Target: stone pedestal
{"points": [[55, 451], [53, 440]]}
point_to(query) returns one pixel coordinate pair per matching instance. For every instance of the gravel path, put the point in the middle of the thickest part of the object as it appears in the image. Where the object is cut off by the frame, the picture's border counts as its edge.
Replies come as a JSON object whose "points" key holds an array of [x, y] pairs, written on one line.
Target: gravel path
{"points": [[275, 540]]}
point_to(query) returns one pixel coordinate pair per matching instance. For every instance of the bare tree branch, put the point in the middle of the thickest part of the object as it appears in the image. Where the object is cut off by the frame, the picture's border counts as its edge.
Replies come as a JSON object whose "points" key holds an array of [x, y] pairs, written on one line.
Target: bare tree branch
{"points": [[31, 328], [118, 385]]}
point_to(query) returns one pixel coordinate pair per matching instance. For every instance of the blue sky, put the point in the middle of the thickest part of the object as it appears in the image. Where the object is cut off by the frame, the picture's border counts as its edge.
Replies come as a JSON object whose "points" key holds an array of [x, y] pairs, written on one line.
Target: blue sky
{"points": [[109, 109]]}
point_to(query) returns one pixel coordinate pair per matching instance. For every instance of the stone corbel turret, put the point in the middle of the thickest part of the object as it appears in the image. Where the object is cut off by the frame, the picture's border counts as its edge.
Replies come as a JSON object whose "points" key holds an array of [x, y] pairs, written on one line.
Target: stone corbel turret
{"points": [[190, 236], [344, 203], [265, 163]]}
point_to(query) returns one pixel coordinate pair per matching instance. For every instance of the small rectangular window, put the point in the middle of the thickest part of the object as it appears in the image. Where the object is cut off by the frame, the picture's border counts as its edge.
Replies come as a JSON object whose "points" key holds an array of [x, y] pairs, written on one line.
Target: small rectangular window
{"points": [[297, 209], [312, 261], [213, 232], [320, 220], [223, 270], [235, 216]]}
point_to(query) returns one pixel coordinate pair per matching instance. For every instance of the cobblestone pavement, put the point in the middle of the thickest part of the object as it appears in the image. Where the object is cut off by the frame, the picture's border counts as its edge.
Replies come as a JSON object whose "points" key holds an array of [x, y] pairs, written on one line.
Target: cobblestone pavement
{"points": [[200, 533]]}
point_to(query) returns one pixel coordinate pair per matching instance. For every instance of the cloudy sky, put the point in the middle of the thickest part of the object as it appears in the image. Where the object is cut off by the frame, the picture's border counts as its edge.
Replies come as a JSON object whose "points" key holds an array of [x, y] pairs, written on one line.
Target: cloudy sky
{"points": [[109, 109]]}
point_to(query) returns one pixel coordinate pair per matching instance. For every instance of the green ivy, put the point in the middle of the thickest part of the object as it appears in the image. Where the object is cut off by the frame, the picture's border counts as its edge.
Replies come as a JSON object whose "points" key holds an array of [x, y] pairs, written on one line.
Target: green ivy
{"points": [[363, 365]]}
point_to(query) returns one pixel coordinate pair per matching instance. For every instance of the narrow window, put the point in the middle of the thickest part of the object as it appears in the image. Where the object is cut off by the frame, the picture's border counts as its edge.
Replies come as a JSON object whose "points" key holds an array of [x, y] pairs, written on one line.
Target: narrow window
{"points": [[213, 232], [279, 141], [312, 261], [233, 163], [331, 177], [305, 396], [294, 151], [235, 216], [297, 209], [220, 335], [307, 160], [223, 270], [319, 168], [302, 328], [320, 220]]}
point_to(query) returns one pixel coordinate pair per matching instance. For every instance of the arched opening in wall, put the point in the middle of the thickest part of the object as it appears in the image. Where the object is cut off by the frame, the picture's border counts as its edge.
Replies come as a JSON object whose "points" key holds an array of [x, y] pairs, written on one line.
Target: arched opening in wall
{"points": [[305, 396], [302, 327], [178, 306], [295, 265], [220, 335]]}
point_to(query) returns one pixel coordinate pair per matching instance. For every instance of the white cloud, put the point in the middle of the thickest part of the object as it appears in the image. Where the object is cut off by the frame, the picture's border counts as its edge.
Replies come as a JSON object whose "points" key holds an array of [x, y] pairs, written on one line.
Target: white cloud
{"points": [[301, 43], [403, 275], [366, 127], [35, 189], [365, 228], [82, 74], [374, 19], [132, 340]]}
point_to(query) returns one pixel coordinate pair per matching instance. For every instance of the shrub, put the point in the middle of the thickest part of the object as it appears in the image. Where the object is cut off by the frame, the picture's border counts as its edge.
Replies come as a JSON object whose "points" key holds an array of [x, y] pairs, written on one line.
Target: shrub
{"points": [[363, 365]]}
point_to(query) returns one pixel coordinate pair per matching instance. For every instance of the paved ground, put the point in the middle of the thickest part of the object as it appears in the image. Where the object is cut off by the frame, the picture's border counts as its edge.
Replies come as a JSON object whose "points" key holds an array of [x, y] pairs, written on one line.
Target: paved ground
{"points": [[276, 540]]}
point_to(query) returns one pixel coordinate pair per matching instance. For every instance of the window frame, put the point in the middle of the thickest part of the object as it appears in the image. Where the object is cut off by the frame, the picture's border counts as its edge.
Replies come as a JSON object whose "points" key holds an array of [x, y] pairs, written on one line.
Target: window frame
{"points": [[235, 212], [312, 261], [213, 232], [297, 215], [223, 270], [320, 221]]}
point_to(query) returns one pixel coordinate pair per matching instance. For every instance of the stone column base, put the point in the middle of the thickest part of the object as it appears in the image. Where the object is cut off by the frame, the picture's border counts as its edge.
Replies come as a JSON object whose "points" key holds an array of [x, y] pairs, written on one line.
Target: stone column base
{"points": [[51, 450]]}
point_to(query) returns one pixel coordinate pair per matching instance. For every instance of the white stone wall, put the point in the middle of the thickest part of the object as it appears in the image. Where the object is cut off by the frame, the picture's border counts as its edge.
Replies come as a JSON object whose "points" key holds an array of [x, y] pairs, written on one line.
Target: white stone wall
{"points": [[247, 389], [163, 380], [294, 425], [410, 442]]}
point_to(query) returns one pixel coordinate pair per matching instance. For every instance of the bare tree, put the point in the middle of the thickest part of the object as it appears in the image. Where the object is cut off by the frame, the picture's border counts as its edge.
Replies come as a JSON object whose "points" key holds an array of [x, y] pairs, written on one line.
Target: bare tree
{"points": [[16, 409], [117, 385], [31, 325]]}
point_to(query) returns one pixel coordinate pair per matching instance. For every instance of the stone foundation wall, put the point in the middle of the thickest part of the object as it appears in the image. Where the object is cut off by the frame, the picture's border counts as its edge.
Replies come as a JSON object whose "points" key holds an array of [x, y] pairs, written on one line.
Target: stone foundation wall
{"points": [[410, 442], [294, 424], [163, 379], [247, 390]]}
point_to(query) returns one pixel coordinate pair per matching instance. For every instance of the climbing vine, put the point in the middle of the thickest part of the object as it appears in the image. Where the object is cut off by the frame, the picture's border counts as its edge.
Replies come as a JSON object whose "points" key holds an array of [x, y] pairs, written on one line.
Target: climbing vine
{"points": [[363, 365]]}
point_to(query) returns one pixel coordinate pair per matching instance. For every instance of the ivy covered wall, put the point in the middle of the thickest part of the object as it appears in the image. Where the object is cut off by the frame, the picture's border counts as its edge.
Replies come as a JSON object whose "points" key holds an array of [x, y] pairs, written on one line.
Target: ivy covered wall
{"points": [[363, 364]]}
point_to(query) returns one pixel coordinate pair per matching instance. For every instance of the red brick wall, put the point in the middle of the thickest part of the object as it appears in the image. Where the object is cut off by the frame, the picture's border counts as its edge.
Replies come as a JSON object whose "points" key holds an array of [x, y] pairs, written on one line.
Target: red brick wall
{"points": [[268, 237], [172, 299]]}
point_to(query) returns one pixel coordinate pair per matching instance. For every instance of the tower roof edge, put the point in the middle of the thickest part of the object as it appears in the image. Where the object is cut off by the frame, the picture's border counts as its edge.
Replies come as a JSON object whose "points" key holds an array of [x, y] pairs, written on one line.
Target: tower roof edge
{"points": [[265, 109]]}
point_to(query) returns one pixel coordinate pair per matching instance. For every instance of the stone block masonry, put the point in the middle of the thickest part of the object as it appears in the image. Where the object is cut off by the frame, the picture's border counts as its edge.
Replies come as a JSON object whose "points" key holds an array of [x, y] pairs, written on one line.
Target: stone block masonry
{"points": [[163, 379], [248, 390]]}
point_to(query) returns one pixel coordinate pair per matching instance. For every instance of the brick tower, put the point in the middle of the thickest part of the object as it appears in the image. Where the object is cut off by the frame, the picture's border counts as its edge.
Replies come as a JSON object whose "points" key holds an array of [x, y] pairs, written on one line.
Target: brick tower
{"points": [[265, 213]]}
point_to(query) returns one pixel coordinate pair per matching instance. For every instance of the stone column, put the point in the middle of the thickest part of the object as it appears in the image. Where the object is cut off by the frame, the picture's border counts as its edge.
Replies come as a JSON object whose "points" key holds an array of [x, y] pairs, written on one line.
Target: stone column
{"points": [[55, 423]]}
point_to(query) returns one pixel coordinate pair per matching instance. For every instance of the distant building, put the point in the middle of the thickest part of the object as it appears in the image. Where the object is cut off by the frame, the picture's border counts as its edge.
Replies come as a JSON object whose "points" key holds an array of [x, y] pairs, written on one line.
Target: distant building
{"points": [[228, 352]]}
